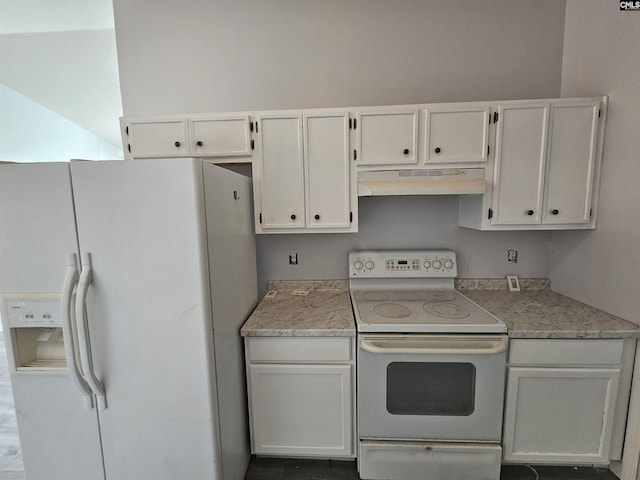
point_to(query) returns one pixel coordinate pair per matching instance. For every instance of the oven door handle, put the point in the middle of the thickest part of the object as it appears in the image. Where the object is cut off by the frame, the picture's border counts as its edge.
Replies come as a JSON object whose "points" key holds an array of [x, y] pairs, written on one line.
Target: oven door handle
{"points": [[435, 346]]}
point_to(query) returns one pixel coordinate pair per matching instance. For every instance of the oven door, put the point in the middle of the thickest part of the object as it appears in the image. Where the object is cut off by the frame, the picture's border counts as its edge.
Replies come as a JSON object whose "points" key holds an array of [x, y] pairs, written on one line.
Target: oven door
{"points": [[434, 387]]}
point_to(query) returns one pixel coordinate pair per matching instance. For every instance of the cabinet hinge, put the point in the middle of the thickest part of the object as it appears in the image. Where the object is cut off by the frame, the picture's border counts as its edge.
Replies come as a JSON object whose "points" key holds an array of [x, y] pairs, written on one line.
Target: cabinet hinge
{"points": [[260, 217], [253, 144], [355, 155], [490, 216], [350, 217], [495, 117]]}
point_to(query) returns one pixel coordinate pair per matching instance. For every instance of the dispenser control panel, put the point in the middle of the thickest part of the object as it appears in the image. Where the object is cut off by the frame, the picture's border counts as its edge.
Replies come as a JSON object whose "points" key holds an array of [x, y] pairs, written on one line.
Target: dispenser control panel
{"points": [[31, 311]]}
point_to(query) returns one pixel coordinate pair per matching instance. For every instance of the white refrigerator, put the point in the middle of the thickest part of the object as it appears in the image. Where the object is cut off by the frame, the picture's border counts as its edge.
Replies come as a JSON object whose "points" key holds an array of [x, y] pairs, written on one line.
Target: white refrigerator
{"points": [[123, 287]]}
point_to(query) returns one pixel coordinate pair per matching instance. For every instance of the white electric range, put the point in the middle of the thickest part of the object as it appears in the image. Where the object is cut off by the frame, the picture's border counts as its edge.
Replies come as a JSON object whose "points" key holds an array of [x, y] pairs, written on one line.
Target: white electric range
{"points": [[431, 370], [413, 291]]}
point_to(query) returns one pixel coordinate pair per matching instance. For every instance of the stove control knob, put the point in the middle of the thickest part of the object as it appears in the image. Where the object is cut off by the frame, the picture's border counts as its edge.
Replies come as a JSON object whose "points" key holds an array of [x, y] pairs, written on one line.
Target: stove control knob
{"points": [[369, 265], [448, 264], [437, 264], [358, 265], [427, 264]]}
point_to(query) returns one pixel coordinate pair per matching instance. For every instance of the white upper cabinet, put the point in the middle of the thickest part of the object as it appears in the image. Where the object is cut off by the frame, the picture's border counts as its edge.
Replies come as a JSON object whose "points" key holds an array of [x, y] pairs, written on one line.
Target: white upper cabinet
{"points": [[571, 162], [546, 167], [160, 138], [521, 141], [326, 149], [387, 137], [199, 136], [220, 136], [302, 176], [280, 203], [456, 134], [540, 160]]}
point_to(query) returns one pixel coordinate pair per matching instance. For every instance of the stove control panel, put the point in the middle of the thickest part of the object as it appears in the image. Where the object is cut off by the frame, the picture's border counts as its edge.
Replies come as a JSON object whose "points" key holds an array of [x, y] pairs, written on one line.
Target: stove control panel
{"points": [[403, 263]]}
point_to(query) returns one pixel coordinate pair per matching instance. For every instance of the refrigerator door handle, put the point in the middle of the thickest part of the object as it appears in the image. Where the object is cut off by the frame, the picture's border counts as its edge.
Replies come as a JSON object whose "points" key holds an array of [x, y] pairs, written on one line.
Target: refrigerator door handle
{"points": [[83, 334], [68, 331]]}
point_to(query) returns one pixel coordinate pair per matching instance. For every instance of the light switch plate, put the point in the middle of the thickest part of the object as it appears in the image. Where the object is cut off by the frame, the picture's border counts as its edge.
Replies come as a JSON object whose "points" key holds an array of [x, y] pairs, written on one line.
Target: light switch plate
{"points": [[513, 283]]}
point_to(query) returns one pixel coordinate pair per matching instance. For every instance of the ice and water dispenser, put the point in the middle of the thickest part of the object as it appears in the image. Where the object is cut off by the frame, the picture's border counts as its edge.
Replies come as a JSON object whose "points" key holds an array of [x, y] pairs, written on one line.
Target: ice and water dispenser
{"points": [[34, 329]]}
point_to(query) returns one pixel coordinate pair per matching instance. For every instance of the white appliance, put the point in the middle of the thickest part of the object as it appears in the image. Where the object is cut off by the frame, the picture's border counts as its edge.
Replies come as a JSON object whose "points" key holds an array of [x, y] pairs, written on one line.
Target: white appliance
{"points": [[115, 276], [431, 370]]}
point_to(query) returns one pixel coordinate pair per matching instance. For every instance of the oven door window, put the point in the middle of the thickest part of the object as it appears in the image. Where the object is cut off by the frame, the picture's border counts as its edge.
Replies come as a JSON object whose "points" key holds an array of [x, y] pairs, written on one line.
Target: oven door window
{"points": [[431, 388]]}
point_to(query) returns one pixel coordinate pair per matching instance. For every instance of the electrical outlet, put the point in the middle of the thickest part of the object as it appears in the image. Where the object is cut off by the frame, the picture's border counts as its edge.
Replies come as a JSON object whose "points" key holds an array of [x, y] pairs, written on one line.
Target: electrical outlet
{"points": [[293, 259], [512, 255]]}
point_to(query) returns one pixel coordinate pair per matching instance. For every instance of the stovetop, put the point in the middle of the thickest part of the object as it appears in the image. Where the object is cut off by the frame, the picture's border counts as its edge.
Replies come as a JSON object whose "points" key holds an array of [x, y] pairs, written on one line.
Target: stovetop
{"points": [[413, 292], [426, 311]]}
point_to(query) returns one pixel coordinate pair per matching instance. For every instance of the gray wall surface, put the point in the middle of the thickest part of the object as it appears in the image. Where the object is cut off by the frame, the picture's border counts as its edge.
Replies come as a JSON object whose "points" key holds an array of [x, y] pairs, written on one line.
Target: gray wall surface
{"points": [[404, 223], [602, 267], [229, 55]]}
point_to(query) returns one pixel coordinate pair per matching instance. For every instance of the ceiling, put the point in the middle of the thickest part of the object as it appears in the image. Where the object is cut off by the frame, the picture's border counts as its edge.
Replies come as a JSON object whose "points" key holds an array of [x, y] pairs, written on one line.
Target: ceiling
{"points": [[62, 55]]}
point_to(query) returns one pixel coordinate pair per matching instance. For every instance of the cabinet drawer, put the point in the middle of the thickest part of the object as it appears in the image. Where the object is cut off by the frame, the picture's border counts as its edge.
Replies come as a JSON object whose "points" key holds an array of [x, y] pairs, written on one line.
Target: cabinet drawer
{"points": [[299, 349], [566, 352]]}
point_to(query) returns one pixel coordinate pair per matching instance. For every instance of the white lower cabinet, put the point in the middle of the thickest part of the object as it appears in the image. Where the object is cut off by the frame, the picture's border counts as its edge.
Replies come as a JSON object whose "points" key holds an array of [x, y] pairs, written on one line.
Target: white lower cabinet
{"points": [[301, 396], [561, 401]]}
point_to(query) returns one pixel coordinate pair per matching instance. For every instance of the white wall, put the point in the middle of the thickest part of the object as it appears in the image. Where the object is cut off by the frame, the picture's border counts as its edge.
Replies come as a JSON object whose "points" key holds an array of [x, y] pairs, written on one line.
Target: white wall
{"points": [[32, 133], [602, 267], [226, 55]]}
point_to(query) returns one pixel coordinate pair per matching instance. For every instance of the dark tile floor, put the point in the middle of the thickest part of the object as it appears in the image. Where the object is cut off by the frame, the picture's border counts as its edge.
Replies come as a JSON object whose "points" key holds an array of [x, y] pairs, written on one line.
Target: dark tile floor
{"points": [[281, 469]]}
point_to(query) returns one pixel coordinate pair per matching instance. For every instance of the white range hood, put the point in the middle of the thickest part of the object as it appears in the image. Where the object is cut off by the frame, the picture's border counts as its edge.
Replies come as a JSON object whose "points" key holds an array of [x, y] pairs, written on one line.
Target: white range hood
{"points": [[449, 181]]}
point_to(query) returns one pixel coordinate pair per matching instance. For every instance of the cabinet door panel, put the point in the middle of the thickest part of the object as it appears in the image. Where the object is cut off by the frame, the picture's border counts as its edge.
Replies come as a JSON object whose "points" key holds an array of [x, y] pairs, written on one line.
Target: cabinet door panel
{"points": [[281, 178], [559, 415], [457, 135], [519, 171], [301, 409], [327, 170], [384, 137], [224, 136], [570, 160], [159, 139]]}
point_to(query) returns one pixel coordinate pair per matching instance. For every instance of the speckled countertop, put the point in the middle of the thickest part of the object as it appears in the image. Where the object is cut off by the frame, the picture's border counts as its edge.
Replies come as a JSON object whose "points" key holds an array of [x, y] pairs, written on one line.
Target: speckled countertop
{"points": [[539, 312], [325, 311], [534, 312]]}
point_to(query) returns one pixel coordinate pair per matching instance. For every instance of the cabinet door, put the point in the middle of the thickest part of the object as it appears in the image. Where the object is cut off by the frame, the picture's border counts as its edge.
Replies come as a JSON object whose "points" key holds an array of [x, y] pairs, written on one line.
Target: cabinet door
{"points": [[457, 135], [328, 193], [559, 415], [280, 174], [519, 164], [570, 162], [158, 139], [220, 137], [388, 137], [301, 410]]}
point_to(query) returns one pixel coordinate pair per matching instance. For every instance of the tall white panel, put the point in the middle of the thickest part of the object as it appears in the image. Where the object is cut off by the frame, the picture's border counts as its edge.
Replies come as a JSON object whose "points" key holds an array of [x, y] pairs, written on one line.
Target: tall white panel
{"points": [[234, 295]]}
